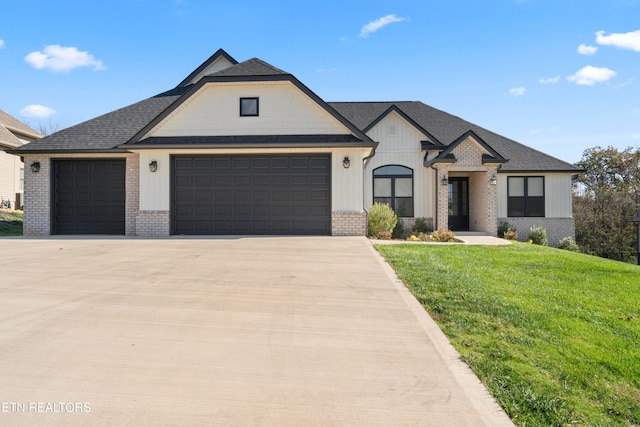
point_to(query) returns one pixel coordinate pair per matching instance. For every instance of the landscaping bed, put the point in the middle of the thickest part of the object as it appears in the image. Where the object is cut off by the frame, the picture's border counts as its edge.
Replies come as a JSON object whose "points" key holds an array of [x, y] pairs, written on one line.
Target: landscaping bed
{"points": [[10, 223]]}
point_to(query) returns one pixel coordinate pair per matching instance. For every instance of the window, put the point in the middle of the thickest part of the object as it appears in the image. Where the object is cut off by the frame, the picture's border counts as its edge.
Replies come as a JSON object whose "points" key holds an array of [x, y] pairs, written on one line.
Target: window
{"points": [[525, 196], [249, 107], [21, 189], [393, 185]]}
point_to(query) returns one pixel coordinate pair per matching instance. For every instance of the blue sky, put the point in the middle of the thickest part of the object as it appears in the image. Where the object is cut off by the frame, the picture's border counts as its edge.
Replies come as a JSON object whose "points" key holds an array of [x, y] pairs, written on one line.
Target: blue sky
{"points": [[558, 75]]}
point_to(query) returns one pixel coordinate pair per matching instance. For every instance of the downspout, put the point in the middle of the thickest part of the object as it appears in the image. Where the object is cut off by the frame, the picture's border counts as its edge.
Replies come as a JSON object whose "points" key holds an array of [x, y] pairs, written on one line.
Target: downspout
{"points": [[364, 160]]}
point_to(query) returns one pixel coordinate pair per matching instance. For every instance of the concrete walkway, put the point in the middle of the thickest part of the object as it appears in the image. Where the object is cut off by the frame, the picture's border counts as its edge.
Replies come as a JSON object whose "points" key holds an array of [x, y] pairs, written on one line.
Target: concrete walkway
{"points": [[280, 331]]}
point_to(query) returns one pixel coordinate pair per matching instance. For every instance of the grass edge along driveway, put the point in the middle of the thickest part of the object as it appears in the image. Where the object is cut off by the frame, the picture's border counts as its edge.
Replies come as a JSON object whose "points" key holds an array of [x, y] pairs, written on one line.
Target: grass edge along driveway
{"points": [[554, 335]]}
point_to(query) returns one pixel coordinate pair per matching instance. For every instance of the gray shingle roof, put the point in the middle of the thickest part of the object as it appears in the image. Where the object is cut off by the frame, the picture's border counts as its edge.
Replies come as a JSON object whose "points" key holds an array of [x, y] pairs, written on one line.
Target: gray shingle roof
{"points": [[252, 67], [447, 128], [9, 126], [108, 131]]}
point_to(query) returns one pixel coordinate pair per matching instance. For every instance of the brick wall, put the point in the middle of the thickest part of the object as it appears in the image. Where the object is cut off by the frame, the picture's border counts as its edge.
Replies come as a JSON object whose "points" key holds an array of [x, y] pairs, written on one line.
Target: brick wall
{"points": [[348, 223], [37, 197], [132, 196], [153, 224], [557, 228]]}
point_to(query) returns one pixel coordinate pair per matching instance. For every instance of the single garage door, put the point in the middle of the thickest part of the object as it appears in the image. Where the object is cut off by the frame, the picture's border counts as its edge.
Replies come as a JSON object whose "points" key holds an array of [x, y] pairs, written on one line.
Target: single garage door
{"points": [[288, 195], [89, 196]]}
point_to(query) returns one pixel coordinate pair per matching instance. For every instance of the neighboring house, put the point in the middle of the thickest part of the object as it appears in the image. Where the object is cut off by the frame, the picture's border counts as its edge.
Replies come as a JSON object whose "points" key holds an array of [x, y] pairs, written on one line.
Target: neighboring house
{"points": [[246, 148], [13, 134]]}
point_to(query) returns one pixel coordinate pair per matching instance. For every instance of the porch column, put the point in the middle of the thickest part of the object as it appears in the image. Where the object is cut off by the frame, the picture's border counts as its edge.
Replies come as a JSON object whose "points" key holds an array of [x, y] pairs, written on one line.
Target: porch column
{"points": [[442, 193], [492, 201]]}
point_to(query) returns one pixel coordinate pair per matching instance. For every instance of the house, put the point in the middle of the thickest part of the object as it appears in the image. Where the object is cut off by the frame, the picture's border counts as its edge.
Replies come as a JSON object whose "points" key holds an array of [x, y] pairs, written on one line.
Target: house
{"points": [[246, 148], [13, 134]]}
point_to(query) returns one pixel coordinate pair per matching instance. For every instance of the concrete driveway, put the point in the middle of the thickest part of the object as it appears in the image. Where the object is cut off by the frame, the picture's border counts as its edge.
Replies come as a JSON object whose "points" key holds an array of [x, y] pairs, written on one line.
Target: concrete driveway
{"points": [[248, 331]]}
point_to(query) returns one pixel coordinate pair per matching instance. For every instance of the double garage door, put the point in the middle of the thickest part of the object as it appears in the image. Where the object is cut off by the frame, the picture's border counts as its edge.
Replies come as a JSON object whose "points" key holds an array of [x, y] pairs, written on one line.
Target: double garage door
{"points": [[251, 195], [209, 195]]}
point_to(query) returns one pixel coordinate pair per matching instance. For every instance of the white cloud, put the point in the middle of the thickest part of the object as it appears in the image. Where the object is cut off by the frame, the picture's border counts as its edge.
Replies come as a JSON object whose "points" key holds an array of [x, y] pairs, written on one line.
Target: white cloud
{"points": [[550, 80], [1, 44], [374, 26], [589, 75], [538, 131], [60, 58], [37, 110], [623, 84], [583, 49], [517, 91], [629, 40], [326, 70]]}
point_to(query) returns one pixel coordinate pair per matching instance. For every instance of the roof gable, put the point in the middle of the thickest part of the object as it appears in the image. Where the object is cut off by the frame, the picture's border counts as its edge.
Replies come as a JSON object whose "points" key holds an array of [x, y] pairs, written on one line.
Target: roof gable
{"points": [[394, 109], [447, 128], [247, 72], [216, 62], [13, 131]]}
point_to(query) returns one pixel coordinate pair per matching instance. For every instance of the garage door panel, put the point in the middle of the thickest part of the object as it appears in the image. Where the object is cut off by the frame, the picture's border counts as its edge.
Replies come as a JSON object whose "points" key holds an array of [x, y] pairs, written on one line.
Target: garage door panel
{"points": [[252, 194], [89, 196]]}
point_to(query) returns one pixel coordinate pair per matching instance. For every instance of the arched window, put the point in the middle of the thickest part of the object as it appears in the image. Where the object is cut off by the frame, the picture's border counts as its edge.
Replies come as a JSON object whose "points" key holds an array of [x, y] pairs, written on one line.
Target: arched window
{"points": [[393, 185]]}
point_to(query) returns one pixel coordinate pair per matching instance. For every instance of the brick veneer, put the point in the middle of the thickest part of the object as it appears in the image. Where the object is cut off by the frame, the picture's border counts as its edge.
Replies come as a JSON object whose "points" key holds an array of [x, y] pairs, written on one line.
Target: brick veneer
{"points": [[557, 228], [132, 197], [348, 223], [153, 224], [37, 197]]}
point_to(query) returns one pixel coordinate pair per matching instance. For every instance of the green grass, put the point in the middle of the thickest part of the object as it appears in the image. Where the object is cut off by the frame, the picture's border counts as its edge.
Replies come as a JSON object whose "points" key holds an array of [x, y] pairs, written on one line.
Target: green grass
{"points": [[10, 223], [554, 335]]}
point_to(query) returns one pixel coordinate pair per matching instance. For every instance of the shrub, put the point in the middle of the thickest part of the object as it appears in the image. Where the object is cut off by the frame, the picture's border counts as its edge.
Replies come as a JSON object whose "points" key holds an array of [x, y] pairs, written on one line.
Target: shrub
{"points": [[419, 237], [384, 235], [398, 231], [442, 235], [538, 236], [568, 244], [511, 235], [421, 226], [505, 228], [381, 218]]}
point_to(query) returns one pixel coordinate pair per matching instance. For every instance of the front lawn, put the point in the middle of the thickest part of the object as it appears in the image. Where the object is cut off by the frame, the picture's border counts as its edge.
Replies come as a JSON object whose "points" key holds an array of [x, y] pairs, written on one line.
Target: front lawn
{"points": [[554, 335], [10, 223]]}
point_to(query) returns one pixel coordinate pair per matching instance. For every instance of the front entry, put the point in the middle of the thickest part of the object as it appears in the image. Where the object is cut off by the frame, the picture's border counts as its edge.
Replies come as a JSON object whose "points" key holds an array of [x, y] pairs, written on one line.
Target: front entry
{"points": [[458, 204]]}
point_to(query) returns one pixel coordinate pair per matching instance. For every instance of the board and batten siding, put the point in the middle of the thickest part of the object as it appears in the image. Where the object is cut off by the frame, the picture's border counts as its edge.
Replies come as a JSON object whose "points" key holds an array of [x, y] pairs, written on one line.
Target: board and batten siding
{"points": [[557, 194], [400, 145], [346, 184], [215, 111]]}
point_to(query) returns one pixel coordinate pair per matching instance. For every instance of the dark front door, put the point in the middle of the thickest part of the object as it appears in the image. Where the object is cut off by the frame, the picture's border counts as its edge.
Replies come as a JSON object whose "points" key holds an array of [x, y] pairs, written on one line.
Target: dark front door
{"points": [[459, 204], [285, 194], [89, 196]]}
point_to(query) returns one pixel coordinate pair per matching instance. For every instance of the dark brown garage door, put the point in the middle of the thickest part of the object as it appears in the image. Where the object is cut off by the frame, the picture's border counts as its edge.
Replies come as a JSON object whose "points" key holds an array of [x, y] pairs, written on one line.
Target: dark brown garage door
{"points": [[88, 196], [251, 195]]}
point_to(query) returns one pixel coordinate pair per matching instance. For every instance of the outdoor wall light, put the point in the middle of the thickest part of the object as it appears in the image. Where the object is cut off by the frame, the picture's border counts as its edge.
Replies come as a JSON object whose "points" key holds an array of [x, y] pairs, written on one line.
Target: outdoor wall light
{"points": [[153, 166], [493, 180], [444, 180], [346, 162], [35, 167]]}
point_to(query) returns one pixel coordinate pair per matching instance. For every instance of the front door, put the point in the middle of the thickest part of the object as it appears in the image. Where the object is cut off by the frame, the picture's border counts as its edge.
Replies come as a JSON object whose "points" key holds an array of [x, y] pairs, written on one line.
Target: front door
{"points": [[459, 204]]}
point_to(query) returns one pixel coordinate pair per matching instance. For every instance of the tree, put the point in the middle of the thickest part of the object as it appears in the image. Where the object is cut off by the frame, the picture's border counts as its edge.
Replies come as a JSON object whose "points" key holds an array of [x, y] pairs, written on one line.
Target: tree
{"points": [[606, 196]]}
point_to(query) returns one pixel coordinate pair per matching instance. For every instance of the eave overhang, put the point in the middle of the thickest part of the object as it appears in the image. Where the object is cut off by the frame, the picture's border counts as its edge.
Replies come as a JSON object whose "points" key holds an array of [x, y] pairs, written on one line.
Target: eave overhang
{"points": [[250, 141]]}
